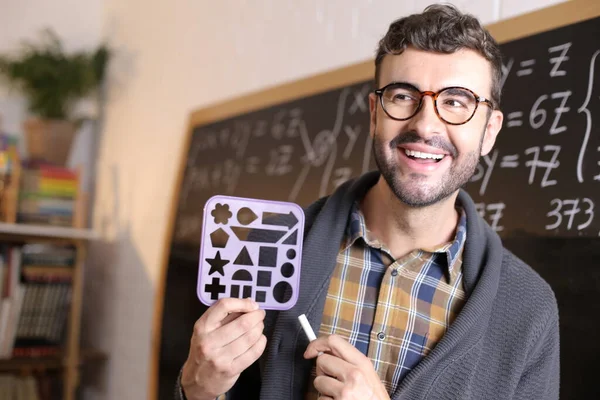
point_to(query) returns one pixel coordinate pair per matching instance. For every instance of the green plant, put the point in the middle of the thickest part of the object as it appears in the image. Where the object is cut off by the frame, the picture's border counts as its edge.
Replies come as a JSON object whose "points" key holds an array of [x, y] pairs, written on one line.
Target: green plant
{"points": [[52, 80]]}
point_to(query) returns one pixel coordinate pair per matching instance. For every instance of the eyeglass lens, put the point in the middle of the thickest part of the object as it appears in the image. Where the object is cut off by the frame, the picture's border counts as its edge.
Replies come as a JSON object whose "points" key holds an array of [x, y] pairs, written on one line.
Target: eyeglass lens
{"points": [[454, 105]]}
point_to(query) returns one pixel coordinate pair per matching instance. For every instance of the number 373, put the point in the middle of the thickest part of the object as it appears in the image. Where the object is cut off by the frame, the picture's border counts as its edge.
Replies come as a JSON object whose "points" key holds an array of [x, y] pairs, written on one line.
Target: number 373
{"points": [[566, 210]]}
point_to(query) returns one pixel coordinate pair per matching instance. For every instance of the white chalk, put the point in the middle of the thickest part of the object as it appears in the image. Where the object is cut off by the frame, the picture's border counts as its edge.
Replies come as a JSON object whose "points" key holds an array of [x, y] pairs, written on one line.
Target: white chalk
{"points": [[307, 328]]}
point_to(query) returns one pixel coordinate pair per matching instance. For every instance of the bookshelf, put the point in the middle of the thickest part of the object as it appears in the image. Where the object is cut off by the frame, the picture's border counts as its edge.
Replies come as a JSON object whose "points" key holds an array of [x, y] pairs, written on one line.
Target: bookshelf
{"points": [[72, 356], [67, 358]]}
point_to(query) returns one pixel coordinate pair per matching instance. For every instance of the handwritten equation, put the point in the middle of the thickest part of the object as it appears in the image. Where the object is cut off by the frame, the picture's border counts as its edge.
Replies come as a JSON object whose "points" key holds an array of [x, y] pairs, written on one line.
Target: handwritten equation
{"points": [[549, 147], [546, 111]]}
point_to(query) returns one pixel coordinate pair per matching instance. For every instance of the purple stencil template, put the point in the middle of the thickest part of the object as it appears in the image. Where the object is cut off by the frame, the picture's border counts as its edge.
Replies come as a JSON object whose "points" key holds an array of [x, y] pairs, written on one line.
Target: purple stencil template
{"points": [[251, 248]]}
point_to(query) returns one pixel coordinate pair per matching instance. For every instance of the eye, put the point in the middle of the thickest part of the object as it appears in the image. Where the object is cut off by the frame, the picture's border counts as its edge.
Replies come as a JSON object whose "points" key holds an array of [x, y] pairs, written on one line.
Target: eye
{"points": [[403, 96], [457, 98], [454, 103]]}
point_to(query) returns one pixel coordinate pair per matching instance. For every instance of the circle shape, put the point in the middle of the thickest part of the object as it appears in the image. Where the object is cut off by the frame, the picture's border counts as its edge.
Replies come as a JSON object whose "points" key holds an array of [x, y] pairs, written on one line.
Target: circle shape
{"points": [[282, 292], [287, 270]]}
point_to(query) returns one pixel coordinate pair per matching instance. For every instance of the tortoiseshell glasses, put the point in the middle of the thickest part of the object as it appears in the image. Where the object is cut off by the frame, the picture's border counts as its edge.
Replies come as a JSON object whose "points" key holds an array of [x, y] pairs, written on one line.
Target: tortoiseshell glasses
{"points": [[454, 105]]}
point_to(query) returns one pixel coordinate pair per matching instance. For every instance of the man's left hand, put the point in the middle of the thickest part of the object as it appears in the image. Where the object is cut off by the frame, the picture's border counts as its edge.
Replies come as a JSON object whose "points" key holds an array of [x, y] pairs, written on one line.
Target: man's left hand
{"points": [[343, 372]]}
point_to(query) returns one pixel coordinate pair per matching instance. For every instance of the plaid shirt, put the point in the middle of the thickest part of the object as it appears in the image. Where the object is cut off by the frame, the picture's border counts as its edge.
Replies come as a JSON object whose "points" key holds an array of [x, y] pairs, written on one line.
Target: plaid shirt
{"points": [[393, 311]]}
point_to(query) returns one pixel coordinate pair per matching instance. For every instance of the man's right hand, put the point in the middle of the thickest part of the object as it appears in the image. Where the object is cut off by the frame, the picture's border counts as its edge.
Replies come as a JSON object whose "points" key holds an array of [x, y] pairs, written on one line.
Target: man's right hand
{"points": [[227, 339]]}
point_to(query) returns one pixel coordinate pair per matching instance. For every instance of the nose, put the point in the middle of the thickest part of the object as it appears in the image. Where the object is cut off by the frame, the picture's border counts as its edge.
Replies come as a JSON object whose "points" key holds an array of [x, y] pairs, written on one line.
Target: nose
{"points": [[426, 121]]}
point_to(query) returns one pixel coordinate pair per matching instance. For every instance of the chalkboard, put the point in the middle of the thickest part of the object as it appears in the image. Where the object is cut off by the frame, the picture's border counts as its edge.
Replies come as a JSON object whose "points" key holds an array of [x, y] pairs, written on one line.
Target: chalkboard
{"points": [[539, 188]]}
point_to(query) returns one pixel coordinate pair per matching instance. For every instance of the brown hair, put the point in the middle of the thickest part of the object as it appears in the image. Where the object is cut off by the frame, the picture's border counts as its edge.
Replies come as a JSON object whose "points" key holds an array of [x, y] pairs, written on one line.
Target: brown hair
{"points": [[442, 29]]}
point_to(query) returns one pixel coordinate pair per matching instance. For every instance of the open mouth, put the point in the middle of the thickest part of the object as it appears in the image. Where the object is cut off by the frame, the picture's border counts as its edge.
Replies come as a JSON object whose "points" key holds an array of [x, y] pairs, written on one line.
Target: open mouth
{"points": [[424, 158]]}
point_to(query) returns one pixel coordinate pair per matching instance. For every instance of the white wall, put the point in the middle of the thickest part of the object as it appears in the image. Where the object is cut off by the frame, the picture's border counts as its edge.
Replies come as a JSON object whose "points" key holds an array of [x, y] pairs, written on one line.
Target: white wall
{"points": [[171, 58], [77, 23]]}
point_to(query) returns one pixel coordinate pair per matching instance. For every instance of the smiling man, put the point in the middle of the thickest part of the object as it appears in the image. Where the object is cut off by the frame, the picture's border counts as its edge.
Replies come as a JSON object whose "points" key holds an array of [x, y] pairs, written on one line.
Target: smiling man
{"points": [[414, 294]]}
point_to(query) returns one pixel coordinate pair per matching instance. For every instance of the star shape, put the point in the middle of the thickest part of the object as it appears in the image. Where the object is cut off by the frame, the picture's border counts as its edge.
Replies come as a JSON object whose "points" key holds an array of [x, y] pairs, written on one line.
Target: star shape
{"points": [[217, 264]]}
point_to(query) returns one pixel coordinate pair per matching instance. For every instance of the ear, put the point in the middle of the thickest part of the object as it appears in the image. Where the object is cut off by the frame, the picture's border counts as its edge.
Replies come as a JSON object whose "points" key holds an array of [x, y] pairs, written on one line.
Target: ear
{"points": [[373, 113], [494, 124]]}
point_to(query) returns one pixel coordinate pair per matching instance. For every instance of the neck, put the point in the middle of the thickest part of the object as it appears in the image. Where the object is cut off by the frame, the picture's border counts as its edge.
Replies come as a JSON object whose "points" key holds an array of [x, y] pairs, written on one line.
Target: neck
{"points": [[404, 228]]}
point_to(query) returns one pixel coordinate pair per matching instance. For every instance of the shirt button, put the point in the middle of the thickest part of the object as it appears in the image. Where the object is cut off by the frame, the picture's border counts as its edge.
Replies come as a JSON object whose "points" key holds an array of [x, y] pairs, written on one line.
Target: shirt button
{"points": [[394, 272], [381, 336]]}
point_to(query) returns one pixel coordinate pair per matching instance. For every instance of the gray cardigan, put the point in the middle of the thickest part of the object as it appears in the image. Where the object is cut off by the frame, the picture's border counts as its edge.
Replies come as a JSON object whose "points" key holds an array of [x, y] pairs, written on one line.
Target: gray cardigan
{"points": [[504, 344]]}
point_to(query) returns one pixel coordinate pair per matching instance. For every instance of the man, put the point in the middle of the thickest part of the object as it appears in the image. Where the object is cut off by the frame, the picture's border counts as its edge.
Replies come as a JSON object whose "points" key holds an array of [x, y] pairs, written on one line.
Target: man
{"points": [[414, 294]]}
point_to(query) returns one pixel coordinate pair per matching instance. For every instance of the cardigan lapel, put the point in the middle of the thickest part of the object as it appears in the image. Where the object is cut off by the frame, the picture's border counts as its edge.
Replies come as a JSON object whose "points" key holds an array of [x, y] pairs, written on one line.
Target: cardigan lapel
{"points": [[323, 245], [482, 261], [286, 371]]}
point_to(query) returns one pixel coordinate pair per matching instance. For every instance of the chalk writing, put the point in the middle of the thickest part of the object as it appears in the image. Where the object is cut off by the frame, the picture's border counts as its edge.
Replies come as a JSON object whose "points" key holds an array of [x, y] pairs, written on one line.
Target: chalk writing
{"points": [[526, 67], [558, 60], [588, 118], [567, 210], [493, 213], [536, 163]]}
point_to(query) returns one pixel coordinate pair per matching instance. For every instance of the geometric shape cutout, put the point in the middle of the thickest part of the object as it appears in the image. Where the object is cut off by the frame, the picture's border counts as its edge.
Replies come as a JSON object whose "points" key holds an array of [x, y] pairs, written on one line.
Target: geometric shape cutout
{"points": [[243, 258], [291, 254], [247, 292], [290, 220], [246, 216], [242, 275], [261, 296], [267, 256], [258, 235], [282, 292], [263, 278], [221, 213], [214, 288], [292, 239], [235, 291], [219, 238], [287, 270], [217, 264]]}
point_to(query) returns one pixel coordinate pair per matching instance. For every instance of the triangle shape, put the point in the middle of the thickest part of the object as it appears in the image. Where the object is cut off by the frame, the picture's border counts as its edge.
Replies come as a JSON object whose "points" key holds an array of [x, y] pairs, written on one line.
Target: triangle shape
{"points": [[243, 258], [292, 239]]}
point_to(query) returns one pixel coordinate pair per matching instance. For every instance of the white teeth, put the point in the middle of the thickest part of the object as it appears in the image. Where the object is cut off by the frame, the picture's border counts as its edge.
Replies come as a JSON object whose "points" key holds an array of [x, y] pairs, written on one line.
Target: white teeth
{"points": [[418, 154]]}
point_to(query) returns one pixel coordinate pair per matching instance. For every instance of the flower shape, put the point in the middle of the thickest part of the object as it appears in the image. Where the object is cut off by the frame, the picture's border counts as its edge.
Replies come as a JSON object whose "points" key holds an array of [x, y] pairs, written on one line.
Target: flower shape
{"points": [[221, 213]]}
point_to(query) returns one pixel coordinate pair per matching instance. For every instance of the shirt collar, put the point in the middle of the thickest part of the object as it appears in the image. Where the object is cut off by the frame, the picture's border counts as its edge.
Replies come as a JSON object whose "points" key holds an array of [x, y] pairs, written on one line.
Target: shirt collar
{"points": [[446, 254]]}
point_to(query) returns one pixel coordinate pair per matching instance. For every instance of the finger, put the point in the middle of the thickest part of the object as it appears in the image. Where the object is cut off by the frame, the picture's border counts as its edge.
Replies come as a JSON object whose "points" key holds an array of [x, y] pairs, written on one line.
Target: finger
{"points": [[333, 366], [328, 386], [232, 331], [337, 346], [240, 345], [231, 317], [222, 308], [252, 354]]}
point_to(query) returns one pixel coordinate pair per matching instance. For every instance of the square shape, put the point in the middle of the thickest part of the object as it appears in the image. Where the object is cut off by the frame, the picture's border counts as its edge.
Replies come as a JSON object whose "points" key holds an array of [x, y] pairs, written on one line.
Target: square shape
{"points": [[261, 296], [264, 279], [267, 256]]}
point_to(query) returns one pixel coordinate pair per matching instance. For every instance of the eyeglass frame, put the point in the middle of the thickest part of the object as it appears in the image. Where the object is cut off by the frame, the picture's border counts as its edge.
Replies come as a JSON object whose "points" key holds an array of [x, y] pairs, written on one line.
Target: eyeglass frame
{"points": [[434, 96]]}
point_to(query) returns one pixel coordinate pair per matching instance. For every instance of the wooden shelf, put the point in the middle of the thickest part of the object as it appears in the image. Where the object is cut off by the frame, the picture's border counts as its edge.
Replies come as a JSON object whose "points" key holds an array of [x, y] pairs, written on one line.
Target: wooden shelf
{"points": [[50, 362], [21, 363], [57, 232]]}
